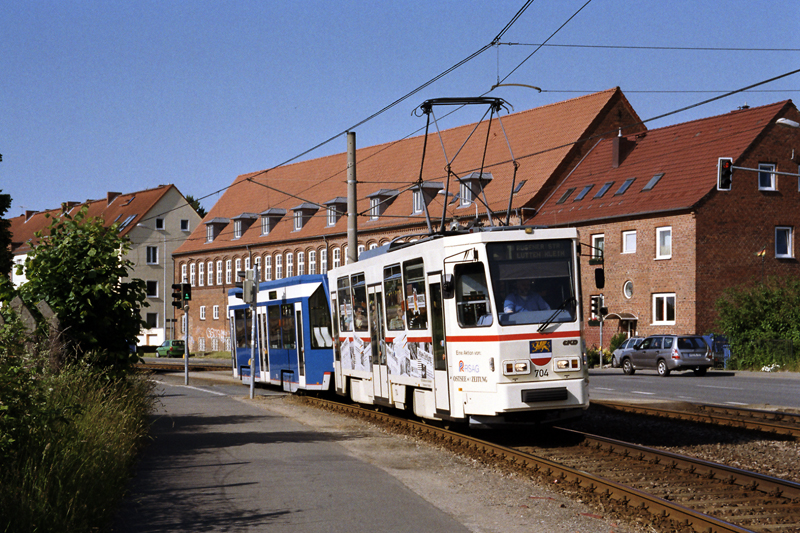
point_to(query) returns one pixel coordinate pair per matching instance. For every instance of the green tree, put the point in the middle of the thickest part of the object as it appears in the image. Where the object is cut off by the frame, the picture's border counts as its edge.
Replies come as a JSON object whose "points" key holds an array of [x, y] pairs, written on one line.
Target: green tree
{"points": [[79, 269], [6, 256], [195, 203]]}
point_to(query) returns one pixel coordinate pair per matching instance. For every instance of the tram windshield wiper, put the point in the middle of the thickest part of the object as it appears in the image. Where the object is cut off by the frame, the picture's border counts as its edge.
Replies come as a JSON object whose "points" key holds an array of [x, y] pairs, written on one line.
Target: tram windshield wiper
{"points": [[570, 300]]}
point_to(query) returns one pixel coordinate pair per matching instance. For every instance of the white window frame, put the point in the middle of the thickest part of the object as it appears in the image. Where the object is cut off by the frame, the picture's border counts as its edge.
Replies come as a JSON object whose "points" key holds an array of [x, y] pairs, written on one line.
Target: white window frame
{"points": [[247, 263], [219, 272], [661, 307], [228, 271], [184, 224], [360, 250], [201, 274], [257, 261], [237, 229], [323, 261], [264, 225], [301, 263], [789, 232], [418, 202], [152, 255], [627, 248], [767, 170], [210, 278], [289, 264], [374, 208], [312, 262], [598, 245], [268, 268], [192, 274], [298, 220], [202, 312], [238, 266], [183, 273], [210, 233], [279, 266], [664, 252], [337, 257], [465, 194], [215, 310], [331, 215]]}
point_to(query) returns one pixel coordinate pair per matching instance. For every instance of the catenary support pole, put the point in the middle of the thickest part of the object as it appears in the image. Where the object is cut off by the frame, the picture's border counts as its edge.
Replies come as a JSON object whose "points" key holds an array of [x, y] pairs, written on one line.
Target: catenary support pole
{"points": [[352, 209]]}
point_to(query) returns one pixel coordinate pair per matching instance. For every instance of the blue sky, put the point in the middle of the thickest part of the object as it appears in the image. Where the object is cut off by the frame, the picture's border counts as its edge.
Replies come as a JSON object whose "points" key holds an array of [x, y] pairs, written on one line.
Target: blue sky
{"points": [[104, 96]]}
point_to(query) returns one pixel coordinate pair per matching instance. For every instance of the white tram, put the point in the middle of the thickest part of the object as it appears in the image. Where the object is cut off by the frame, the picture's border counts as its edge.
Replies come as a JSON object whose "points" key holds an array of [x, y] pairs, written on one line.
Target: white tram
{"points": [[482, 326]]}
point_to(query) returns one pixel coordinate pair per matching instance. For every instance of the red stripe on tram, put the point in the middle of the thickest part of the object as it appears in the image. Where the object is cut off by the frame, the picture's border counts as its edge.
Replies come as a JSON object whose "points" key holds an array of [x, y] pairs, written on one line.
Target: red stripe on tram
{"points": [[512, 337]]}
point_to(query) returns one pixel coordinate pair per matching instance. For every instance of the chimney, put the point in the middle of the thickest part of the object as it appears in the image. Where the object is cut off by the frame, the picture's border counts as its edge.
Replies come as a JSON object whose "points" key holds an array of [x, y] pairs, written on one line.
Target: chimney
{"points": [[620, 148], [111, 196], [66, 206]]}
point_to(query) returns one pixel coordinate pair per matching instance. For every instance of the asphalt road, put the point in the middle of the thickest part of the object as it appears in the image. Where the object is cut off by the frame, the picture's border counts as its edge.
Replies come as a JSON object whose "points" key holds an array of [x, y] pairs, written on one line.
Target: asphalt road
{"points": [[749, 389]]}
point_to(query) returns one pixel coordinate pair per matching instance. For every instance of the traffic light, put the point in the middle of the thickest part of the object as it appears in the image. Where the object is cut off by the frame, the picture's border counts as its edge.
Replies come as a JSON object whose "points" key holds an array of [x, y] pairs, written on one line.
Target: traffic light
{"points": [[187, 291], [724, 171], [177, 294], [595, 306]]}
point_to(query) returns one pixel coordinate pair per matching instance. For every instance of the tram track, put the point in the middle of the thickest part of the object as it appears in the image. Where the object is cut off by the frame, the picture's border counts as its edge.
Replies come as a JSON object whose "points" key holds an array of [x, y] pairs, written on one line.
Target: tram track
{"points": [[179, 366], [770, 422], [667, 490]]}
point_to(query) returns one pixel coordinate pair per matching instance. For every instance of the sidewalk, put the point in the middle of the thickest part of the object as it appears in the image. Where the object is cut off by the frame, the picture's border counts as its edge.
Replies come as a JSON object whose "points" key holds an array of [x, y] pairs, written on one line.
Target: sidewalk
{"points": [[218, 464]]}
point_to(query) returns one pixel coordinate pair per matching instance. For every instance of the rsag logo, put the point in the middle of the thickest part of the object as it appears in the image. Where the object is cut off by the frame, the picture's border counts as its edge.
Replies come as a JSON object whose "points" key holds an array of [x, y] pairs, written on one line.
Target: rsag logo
{"points": [[470, 369]]}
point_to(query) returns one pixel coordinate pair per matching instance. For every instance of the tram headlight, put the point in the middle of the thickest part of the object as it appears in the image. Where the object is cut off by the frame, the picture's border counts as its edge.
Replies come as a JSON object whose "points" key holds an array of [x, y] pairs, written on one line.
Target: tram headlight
{"points": [[511, 368], [568, 364]]}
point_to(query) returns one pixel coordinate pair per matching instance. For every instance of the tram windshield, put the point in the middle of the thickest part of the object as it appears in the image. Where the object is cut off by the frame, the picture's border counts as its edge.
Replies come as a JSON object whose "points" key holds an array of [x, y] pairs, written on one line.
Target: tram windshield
{"points": [[533, 281]]}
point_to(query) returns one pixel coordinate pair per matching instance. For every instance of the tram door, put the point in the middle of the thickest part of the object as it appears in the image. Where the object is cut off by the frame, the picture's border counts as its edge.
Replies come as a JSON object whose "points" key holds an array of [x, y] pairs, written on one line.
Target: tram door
{"points": [[261, 345], [283, 358], [441, 380], [380, 370]]}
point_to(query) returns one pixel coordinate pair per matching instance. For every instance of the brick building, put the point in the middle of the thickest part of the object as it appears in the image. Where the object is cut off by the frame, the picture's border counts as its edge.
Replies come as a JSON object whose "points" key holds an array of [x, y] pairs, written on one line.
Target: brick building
{"points": [[291, 220], [671, 240], [156, 221]]}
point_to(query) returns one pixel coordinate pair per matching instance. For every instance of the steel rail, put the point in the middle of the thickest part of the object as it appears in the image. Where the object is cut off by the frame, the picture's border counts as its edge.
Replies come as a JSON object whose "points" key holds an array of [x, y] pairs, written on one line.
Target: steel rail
{"points": [[740, 419], [179, 367], [627, 496]]}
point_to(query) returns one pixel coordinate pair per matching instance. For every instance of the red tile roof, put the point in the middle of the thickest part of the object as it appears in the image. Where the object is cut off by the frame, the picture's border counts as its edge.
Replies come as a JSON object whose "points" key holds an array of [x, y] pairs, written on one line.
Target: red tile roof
{"points": [[135, 204], [686, 154], [540, 138]]}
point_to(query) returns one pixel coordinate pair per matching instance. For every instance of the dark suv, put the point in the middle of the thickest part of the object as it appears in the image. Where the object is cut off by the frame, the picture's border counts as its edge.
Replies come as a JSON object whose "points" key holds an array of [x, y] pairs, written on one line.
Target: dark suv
{"points": [[666, 353]]}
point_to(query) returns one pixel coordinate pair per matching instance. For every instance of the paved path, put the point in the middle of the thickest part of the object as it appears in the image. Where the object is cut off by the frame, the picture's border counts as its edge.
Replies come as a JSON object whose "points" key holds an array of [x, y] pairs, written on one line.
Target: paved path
{"points": [[218, 464]]}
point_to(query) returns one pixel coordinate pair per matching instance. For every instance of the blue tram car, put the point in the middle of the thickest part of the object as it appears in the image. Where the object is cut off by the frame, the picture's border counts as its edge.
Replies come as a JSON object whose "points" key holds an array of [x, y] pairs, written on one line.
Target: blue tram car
{"points": [[293, 338]]}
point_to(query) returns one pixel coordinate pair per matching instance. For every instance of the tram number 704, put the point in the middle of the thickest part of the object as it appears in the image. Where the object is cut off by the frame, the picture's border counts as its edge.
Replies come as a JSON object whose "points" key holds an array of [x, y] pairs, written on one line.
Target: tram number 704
{"points": [[537, 373]]}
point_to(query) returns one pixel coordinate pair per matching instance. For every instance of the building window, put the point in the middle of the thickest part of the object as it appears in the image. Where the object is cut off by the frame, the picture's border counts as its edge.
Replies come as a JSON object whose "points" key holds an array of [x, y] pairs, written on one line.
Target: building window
{"points": [[598, 246], [184, 224], [237, 229], [419, 203], [627, 289], [152, 289], [258, 268], [465, 194], [209, 233], [183, 273], [298, 220], [346, 253], [604, 189], [301, 263], [219, 272], [192, 274], [238, 266], [216, 312], [337, 258], [663, 243], [783, 242], [766, 178], [278, 266], [360, 250], [583, 192], [331, 215], [210, 273], [264, 225], [323, 261], [247, 263], [312, 262], [629, 242], [201, 274], [289, 264], [374, 208], [664, 309], [152, 255], [202, 312], [152, 320], [566, 195], [624, 186], [228, 272], [159, 223], [268, 268]]}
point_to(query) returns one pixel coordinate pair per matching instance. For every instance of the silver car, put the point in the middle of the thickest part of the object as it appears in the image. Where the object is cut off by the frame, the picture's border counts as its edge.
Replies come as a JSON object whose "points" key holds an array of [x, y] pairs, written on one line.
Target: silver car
{"points": [[623, 349], [666, 353]]}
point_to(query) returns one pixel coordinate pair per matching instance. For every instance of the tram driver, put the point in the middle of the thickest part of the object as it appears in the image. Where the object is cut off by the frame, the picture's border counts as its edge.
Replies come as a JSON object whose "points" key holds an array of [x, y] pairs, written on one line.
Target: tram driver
{"points": [[524, 299]]}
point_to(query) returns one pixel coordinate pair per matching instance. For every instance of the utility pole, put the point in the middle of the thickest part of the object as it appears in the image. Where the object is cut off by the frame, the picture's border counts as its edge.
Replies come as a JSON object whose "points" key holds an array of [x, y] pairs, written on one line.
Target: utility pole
{"points": [[352, 209]]}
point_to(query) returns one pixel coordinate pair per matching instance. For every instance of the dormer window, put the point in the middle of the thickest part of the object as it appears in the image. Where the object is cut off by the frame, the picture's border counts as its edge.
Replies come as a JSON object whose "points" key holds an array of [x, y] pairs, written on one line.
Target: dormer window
{"points": [[303, 213], [242, 223], [214, 228], [334, 209], [471, 186], [379, 201], [423, 194], [270, 219]]}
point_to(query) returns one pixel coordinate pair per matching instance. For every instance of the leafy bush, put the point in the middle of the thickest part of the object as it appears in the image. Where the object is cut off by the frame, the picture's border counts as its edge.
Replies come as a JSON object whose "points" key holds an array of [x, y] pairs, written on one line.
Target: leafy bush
{"points": [[616, 340], [597, 356]]}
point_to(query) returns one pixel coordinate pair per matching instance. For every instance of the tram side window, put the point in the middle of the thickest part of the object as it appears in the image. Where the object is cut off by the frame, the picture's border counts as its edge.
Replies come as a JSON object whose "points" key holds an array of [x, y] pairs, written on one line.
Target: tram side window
{"points": [[274, 318], [393, 293], [414, 283], [240, 324], [345, 305], [287, 326], [359, 302], [319, 317], [472, 296]]}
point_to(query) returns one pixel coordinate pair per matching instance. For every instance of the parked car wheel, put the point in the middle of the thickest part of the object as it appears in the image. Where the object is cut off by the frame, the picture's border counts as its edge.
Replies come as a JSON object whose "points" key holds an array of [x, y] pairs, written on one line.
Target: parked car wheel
{"points": [[627, 367], [700, 370], [663, 371], [614, 362]]}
